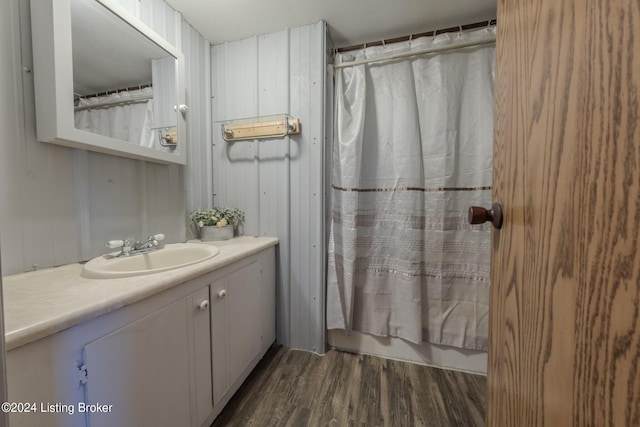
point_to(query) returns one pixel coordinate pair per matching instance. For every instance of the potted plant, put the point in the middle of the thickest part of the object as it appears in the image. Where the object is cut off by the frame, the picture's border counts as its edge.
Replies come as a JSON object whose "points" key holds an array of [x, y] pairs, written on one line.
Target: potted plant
{"points": [[217, 223]]}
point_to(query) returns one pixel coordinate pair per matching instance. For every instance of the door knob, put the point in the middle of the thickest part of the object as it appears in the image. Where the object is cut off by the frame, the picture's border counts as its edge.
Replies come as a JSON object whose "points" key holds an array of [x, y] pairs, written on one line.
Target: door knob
{"points": [[478, 215], [222, 294], [203, 305]]}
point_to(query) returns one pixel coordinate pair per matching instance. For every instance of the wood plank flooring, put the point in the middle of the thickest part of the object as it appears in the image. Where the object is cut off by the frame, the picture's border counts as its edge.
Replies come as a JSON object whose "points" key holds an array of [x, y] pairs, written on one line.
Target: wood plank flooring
{"points": [[297, 388]]}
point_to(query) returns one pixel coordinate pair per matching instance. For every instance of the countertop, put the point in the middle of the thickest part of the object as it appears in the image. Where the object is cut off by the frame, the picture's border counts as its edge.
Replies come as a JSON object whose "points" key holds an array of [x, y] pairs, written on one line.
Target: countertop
{"points": [[40, 303]]}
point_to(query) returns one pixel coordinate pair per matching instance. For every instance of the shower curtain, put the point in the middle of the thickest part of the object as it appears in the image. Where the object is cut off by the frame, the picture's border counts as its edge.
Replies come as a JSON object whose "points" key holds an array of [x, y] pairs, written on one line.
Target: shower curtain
{"points": [[129, 122], [412, 151]]}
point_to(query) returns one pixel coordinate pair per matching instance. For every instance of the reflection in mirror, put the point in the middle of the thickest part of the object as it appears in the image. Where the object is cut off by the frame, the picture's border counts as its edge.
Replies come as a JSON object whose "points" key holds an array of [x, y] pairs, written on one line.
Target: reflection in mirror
{"points": [[106, 82], [124, 84]]}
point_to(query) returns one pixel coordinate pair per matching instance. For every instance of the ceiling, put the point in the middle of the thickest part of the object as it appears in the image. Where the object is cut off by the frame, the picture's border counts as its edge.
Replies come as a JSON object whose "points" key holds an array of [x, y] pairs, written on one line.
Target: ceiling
{"points": [[350, 21]]}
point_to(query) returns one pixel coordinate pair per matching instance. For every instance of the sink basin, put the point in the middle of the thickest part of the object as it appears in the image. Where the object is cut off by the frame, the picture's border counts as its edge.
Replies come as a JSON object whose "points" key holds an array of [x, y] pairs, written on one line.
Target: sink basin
{"points": [[170, 257]]}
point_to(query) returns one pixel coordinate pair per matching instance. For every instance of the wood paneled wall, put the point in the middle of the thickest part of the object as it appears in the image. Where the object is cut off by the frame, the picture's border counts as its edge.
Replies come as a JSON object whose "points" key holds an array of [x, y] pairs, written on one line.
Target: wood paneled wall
{"points": [[278, 182], [59, 205]]}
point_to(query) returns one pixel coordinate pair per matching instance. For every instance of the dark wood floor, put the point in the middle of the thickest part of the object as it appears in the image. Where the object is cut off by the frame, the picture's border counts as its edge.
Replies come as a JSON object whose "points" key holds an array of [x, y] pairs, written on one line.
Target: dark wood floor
{"points": [[297, 388]]}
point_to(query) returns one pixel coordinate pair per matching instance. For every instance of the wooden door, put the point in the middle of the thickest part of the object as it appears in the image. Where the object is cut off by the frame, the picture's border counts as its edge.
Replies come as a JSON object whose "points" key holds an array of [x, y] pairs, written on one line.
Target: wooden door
{"points": [[565, 294]]}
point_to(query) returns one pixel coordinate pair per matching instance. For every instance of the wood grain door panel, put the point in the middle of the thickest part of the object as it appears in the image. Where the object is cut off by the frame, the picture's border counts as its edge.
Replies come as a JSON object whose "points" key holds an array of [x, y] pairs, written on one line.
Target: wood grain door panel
{"points": [[565, 325]]}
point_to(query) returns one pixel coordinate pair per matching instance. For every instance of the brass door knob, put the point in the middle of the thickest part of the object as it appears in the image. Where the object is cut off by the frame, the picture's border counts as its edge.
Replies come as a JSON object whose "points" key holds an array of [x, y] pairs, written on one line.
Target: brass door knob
{"points": [[479, 215]]}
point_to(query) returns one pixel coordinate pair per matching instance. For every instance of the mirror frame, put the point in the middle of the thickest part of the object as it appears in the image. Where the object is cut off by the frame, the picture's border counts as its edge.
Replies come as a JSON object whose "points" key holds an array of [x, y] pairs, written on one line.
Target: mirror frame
{"points": [[53, 80]]}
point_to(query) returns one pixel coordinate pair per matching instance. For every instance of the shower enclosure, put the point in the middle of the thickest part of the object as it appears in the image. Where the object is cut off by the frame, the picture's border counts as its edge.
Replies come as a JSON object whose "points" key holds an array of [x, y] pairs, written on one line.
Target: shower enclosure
{"points": [[412, 151]]}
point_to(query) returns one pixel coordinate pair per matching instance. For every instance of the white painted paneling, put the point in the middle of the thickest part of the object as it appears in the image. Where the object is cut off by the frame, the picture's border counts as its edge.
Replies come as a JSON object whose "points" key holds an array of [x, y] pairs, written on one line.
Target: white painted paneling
{"points": [[44, 217], [273, 98], [198, 174], [162, 18], [10, 119], [275, 171], [308, 64], [278, 182], [162, 212], [235, 166], [114, 214], [59, 205]]}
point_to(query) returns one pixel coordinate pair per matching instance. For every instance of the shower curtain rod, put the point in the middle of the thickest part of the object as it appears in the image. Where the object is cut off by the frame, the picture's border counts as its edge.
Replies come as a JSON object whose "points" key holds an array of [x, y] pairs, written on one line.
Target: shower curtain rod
{"points": [[136, 100], [488, 40], [113, 103], [110, 92], [415, 36]]}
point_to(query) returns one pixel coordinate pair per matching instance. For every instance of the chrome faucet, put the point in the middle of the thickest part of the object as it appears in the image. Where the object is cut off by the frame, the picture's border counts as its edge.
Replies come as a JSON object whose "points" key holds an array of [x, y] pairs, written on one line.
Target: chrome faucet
{"points": [[128, 248]]}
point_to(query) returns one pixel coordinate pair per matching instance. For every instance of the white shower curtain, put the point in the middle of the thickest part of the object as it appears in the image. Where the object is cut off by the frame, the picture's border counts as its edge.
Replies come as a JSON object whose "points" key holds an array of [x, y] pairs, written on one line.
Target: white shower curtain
{"points": [[128, 122], [412, 151]]}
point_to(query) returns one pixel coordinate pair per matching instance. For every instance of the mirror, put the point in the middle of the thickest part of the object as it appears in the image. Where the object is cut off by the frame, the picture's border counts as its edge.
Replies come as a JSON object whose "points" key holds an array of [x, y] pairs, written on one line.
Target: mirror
{"points": [[106, 82]]}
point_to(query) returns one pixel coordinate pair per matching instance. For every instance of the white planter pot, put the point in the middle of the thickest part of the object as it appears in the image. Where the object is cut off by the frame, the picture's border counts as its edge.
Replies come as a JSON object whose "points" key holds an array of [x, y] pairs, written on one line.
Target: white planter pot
{"points": [[211, 233]]}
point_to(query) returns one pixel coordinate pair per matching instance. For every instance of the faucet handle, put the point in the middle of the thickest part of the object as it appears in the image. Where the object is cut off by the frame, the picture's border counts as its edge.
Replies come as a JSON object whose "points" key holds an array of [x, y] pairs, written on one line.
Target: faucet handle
{"points": [[114, 244], [158, 237]]}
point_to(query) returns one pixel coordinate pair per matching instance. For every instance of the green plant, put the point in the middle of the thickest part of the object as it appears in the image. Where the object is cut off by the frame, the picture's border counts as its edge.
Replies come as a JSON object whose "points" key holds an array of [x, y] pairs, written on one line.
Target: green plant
{"points": [[217, 217]]}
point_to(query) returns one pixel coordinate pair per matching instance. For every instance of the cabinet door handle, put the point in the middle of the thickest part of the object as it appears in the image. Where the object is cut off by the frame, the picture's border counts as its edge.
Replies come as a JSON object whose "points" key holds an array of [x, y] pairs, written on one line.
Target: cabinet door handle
{"points": [[222, 294], [203, 305]]}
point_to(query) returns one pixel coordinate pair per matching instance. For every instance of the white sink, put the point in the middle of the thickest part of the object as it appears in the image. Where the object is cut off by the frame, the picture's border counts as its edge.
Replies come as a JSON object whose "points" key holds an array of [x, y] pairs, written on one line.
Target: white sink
{"points": [[170, 257]]}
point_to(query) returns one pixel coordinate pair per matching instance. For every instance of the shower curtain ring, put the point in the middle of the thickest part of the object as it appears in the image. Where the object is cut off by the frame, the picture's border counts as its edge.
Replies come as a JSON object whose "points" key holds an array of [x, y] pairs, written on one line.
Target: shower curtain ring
{"points": [[489, 23]]}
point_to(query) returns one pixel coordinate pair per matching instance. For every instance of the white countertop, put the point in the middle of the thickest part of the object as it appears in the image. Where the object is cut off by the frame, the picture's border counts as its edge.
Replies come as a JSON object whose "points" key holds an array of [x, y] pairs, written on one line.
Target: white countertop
{"points": [[40, 303]]}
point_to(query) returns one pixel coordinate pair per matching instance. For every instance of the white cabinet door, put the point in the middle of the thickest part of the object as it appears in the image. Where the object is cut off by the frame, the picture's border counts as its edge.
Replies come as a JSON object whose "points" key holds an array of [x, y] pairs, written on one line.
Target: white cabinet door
{"points": [[236, 322], [244, 319], [268, 298], [220, 373], [146, 369], [200, 309]]}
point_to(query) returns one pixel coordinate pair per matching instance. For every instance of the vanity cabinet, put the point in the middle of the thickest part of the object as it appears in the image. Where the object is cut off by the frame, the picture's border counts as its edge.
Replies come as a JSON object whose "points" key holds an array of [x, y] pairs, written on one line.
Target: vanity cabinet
{"points": [[172, 359], [149, 369], [235, 331], [242, 325]]}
